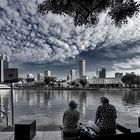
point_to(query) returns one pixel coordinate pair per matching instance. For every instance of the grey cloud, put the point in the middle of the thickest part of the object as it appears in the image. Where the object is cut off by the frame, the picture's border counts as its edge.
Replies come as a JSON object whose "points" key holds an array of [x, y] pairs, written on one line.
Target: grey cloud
{"points": [[29, 37]]}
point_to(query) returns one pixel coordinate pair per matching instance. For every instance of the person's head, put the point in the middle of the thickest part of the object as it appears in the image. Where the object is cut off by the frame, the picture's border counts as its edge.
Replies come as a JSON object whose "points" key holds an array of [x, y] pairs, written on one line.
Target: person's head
{"points": [[104, 100], [72, 104]]}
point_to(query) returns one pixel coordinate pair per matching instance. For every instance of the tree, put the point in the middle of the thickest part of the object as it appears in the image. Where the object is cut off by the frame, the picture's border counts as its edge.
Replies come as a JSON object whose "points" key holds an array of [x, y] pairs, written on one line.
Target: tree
{"points": [[87, 11], [83, 82], [131, 80], [49, 80]]}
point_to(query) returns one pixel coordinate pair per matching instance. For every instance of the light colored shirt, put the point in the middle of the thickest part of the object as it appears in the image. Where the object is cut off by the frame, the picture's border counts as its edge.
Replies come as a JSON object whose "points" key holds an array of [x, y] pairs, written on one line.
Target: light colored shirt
{"points": [[71, 119]]}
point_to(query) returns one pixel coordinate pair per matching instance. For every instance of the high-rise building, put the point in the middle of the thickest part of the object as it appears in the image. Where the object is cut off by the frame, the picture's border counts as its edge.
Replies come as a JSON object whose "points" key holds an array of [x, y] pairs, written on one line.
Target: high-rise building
{"points": [[118, 75], [82, 66], [6, 62], [73, 74], [47, 73], [40, 77], [97, 73], [102, 73]]}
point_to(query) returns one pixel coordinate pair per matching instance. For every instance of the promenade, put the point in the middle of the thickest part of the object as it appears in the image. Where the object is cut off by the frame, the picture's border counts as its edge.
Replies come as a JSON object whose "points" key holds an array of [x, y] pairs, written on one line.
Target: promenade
{"points": [[40, 135]]}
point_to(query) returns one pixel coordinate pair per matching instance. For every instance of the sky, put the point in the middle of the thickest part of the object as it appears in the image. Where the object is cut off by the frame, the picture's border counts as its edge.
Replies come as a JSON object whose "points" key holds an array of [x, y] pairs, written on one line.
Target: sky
{"points": [[35, 43]]}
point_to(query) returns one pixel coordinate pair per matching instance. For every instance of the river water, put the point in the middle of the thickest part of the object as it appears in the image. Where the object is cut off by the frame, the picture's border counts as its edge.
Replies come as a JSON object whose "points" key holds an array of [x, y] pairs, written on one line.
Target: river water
{"points": [[47, 106]]}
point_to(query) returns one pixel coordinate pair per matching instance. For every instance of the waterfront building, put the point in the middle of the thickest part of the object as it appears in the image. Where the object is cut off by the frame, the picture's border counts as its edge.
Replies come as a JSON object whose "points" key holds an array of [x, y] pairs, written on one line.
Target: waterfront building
{"points": [[105, 82], [47, 73], [73, 74], [40, 77], [118, 75], [97, 73], [68, 77], [82, 66], [30, 78], [101, 73]]}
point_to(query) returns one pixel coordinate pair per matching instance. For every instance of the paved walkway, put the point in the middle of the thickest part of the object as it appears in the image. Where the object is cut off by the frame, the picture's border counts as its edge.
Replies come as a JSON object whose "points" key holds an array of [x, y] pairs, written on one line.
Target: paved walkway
{"points": [[40, 135]]}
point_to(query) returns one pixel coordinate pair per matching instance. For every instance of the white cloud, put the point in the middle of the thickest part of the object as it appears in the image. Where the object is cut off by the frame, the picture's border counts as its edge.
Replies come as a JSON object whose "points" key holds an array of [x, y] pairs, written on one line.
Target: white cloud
{"points": [[29, 37]]}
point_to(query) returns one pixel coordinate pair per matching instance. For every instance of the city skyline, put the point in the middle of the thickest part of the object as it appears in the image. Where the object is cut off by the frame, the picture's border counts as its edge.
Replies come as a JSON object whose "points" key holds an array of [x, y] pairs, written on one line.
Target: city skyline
{"points": [[36, 43]]}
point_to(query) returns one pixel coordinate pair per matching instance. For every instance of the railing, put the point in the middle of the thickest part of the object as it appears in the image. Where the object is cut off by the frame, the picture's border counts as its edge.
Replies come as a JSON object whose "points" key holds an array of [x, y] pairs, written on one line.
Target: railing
{"points": [[5, 114]]}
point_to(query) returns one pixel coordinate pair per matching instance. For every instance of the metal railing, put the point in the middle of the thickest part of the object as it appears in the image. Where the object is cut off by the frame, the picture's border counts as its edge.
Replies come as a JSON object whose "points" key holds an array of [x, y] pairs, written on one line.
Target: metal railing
{"points": [[5, 114]]}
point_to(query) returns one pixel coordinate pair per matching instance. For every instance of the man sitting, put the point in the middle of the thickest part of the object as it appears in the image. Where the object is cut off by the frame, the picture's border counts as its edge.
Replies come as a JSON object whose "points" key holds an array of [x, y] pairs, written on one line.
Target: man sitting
{"points": [[71, 119]]}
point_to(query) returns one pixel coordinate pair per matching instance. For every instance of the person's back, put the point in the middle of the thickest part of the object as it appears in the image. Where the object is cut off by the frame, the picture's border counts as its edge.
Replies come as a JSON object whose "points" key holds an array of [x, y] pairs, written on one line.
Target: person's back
{"points": [[106, 117], [71, 118]]}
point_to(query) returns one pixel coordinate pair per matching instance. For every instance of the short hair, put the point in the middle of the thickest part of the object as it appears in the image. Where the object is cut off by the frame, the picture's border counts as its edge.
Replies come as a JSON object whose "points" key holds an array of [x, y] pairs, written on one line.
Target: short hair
{"points": [[104, 100], [73, 104]]}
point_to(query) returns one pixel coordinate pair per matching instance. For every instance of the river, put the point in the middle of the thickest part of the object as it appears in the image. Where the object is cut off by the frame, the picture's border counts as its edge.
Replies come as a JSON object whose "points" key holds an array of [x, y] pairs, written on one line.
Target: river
{"points": [[47, 106]]}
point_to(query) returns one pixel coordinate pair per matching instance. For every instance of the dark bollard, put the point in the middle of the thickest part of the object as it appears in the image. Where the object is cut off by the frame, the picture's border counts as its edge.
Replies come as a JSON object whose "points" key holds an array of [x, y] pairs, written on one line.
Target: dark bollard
{"points": [[138, 122], [25, 130]]}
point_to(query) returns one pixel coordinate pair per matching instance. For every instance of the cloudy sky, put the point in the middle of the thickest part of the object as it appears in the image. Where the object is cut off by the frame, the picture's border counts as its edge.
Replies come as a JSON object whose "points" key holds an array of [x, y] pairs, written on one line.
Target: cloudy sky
{"points": [[37, 43]]}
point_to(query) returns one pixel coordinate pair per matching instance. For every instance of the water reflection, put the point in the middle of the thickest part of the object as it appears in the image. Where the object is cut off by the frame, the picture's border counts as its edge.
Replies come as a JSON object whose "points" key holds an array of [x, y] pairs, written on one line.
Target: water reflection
{"points": [[47, 107], [131, 98]]}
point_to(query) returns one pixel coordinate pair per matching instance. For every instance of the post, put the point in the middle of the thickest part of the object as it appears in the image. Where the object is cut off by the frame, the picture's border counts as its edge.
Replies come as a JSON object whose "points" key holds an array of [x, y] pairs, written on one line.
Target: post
{"points": [[138, 122], [12, 104]]}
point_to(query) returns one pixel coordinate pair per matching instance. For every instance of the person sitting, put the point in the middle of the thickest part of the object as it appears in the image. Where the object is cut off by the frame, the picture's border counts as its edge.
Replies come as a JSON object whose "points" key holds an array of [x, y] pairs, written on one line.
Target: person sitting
{"points": [[106, 117], [71, 119]]}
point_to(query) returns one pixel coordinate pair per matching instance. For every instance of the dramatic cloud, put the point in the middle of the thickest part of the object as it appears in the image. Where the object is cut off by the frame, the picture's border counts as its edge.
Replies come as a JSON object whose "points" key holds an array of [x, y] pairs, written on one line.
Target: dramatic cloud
{"points": [[29, 37]]}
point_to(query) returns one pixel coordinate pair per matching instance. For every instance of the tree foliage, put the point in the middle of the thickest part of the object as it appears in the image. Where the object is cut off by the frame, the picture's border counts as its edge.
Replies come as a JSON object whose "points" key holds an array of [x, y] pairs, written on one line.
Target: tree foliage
{"points": [[87, 11], [49, 80], [131, 80], [83, 82]]}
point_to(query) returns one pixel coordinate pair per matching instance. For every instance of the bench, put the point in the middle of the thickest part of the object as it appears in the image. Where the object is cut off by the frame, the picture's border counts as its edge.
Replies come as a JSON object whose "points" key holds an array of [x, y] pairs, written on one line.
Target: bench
{"points": [[25, 130], [125, 134]]}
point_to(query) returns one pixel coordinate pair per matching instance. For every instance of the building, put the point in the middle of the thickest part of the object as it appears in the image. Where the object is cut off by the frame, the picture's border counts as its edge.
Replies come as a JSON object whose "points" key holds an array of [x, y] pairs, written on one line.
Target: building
{"points": [[118, 75], [105, 82], [73, 74], [6, 62], [40, 77], [82, 66], [68, 77], [97, 73], [47, 73], [101, 73], [7, 74]]}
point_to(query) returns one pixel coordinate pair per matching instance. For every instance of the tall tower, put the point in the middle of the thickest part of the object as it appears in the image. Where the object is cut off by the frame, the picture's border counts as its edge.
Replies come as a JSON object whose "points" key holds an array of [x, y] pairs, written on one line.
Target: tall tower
{"points": [[82, 68], [103, 73], [73, 74], [6, 62]]}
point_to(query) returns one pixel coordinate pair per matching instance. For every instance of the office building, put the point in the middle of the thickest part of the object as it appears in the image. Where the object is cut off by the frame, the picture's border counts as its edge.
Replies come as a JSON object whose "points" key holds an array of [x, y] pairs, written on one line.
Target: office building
{"points": [[40, 77], [118, 75], [6, 62], [82, 66], [73, 74], [97, 73], [102, 73], [47, 73]]}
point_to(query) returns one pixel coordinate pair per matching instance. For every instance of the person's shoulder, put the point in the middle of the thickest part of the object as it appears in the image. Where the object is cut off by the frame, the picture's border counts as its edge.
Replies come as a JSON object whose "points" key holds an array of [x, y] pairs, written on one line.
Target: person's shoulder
{"points": [[66, 111], [112, 106], [99, 107]]}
